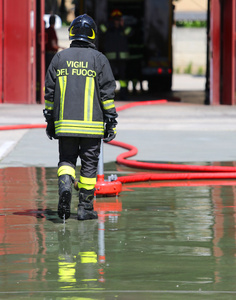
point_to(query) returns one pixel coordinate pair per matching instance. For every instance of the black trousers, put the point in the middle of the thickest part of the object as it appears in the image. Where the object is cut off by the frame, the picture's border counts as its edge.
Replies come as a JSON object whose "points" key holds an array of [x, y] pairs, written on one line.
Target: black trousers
{"points": [[88, 149], [118, 67]]}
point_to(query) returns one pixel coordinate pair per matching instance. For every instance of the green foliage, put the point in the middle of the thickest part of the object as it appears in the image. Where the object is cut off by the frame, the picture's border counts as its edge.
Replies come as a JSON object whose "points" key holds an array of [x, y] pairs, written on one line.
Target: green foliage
{"points": [[200, 71], [177, 70], [65, 23], [190, 24], [188, 69]]}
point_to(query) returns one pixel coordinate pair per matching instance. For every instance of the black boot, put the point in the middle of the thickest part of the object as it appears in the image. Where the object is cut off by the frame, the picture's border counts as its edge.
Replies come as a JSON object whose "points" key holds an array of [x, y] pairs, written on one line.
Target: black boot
{"points": [[65, 192], [85, 207]]}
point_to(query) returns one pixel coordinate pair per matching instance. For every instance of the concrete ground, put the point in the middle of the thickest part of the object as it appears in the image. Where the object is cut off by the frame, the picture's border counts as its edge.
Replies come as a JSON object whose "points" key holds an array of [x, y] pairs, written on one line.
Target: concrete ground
{"points": [[167, 239], [174, 131]]}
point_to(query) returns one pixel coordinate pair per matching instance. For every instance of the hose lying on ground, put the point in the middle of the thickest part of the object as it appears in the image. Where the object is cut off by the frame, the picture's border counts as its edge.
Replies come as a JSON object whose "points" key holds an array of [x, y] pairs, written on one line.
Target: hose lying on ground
{"points": [[203, 172], [121, 159], [207, 172]]}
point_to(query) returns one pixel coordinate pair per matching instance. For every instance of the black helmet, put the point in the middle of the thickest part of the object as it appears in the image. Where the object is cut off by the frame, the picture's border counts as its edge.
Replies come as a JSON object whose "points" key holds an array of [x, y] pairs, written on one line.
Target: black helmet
{"points": [[83, 28]]}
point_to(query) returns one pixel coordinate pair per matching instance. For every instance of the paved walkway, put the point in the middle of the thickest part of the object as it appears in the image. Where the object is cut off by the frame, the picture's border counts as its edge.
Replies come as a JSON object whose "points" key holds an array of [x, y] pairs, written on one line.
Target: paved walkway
{"points": [[164, 132]]}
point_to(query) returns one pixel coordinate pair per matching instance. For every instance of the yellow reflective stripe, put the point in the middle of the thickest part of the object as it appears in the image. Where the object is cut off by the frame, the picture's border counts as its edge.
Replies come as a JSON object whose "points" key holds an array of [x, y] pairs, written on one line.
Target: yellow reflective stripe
{"points": [[84, 127], [114, 129], [88, 280], [89, 257], [91, 131], [79, 123], [62, 84], [88, 99], [71, 34], [49, 105], [103, 28], [123, 83], [127, 30], [66, 272], [66, 170], [66, 264], [92, 37], [108, 104], [124, 55], [111, 55], [86, 186], [87, 180]]}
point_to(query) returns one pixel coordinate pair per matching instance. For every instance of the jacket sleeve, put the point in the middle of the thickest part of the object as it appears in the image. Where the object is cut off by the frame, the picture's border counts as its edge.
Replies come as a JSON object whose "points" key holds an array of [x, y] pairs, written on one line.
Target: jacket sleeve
{"points": [[107, 87], [50, 82]]}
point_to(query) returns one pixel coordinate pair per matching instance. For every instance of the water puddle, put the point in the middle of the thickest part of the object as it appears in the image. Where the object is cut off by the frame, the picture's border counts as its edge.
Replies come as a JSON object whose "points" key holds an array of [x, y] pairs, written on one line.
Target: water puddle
{"points": [[156, 240]]}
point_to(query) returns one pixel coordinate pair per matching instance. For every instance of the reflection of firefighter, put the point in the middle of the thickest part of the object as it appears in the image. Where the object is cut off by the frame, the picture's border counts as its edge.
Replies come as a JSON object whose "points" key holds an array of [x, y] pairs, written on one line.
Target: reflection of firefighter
{"points": [[115, 46], [78, 262], [66, 262], [79, 93]]}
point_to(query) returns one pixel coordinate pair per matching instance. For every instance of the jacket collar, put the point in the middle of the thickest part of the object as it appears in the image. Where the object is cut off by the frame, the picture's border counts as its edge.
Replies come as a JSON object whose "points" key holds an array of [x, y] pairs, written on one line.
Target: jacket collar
{"points": [[81, 44]]}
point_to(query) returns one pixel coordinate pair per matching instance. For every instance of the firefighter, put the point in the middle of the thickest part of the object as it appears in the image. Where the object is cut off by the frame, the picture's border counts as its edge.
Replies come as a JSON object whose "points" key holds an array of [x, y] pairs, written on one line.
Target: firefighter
{"points": [[114, 42], [51, 41], [136, 56], [79, 100]]}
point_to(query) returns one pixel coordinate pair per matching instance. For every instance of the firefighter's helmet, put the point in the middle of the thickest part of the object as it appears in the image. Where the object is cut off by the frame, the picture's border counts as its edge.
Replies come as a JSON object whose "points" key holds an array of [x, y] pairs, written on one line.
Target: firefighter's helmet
{"points": [[116, 14], [83, 28]]}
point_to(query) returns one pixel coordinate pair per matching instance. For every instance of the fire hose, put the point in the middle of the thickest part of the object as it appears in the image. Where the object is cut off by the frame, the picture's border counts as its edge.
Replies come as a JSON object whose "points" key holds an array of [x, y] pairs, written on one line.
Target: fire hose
{"points": [[207, 172], [186, 172]]}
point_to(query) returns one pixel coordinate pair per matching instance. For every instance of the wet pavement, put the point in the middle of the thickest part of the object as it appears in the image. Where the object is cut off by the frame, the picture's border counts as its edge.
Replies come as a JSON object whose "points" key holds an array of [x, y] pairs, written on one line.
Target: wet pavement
{"points": [[157, 240]]}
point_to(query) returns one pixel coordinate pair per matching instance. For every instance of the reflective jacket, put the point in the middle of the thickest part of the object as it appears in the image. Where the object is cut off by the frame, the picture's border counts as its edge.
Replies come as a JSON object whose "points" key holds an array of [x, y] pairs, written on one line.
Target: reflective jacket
{"points": [[80, 89], [115, 41]]}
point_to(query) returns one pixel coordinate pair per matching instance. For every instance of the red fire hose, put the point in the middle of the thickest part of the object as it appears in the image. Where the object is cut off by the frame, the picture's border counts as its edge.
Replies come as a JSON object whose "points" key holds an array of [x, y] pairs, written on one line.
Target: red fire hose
{"points": [[121, 159], [22, 126], [207, 172], [203, 172]]}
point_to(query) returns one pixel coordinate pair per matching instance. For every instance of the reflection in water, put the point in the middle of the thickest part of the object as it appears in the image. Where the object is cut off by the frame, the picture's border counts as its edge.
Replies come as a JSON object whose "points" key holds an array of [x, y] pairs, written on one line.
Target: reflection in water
{"points": [[153, 237], [77, 257]]}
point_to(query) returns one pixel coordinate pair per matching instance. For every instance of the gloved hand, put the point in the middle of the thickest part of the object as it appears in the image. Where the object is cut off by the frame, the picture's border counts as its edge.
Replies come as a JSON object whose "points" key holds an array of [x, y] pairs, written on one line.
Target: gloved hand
{"points": [[50, 130], [110, 132]]}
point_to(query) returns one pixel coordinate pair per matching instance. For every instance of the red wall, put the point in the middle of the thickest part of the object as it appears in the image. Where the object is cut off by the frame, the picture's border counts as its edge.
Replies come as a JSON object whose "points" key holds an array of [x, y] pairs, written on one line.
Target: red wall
{"points": [[1, 52], [215, 48], [223, 52], [19, 51], [228, 55]]}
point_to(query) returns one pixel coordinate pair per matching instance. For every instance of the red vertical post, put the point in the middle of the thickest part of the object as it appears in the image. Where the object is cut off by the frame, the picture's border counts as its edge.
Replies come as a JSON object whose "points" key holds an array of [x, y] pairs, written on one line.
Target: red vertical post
{"points": [[40, 51], [215, 33], [1, 50], [228, 52], [19, 51], [42, 6], [32, 54]]}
